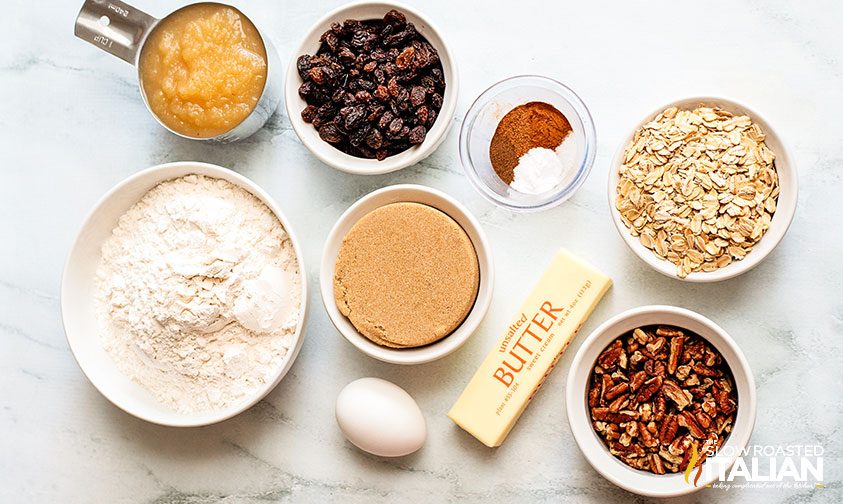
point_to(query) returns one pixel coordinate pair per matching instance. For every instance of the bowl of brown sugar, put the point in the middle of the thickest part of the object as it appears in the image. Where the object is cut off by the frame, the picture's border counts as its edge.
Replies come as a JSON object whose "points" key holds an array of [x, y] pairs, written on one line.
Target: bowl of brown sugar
{"points": [[407, 274], [527, 143]]}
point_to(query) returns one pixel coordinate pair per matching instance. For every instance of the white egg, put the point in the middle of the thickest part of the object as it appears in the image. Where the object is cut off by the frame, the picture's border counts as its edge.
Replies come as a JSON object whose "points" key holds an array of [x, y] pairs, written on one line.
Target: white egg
{"points": [[380, 417]]}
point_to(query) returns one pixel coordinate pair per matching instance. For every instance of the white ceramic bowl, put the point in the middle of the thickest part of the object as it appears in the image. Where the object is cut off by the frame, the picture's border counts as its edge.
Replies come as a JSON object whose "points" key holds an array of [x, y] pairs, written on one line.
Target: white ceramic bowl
{"points": [[633, 480], [338, 159], [442, 202], [77, 297], [786, 207]]}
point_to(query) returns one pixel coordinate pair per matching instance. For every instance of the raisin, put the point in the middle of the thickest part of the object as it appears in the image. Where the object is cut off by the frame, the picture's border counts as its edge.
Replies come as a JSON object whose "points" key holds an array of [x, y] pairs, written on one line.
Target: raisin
{"points": [[381, 93], [308, 113], [423, 54], [417, 96], [375, 113], [330, 39], [349, 99], [431, 118], [422, 114], [436, 100], [312, 94], [380, 76], [417, 135], [405, 58], [395, 18], [326, 111], [317, 75], [303, 65], [358, 137], [403, 99], [359, 39], [330, 133], [395, 126], [438, 78], [374, 139], [398, 38], [354, 117], [429, 85], [385, 120], [379, 55], [346, 55], [393, 87]]}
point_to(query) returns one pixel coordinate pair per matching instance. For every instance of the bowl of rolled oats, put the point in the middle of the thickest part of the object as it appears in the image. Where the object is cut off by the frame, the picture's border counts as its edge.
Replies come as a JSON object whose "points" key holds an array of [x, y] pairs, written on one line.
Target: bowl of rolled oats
{"points": [[703, 189], [661, 400]]}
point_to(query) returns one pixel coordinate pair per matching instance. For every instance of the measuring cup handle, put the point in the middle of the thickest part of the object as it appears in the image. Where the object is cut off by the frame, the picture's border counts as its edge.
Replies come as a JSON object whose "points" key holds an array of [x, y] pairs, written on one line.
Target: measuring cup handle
{"points": [[115, 27]]}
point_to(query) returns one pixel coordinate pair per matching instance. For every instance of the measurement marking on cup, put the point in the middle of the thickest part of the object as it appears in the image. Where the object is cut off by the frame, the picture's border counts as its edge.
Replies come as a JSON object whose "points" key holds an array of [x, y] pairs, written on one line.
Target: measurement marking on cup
{"points": [[119, 10], [103, 40]]}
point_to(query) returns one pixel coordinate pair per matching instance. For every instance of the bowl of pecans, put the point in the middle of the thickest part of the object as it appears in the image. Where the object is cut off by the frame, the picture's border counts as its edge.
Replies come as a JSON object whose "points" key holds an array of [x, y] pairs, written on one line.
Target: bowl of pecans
{"points": [[703, 189], [372, 88], [660, 400]]}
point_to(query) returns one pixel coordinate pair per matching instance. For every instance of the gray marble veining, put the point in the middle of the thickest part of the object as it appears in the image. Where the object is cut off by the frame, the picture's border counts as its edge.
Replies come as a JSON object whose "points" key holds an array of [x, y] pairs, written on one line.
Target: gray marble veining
{"points": [[72, 125]]}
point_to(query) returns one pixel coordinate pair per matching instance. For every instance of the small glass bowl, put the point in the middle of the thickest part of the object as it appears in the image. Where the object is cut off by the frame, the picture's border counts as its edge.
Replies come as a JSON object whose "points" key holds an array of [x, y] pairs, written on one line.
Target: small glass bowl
{"points": [[482, 119]]}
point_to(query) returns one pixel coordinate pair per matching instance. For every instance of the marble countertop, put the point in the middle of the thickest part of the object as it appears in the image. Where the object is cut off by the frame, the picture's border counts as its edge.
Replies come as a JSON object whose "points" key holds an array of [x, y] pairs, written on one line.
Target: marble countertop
{"points": [[72, 125]]}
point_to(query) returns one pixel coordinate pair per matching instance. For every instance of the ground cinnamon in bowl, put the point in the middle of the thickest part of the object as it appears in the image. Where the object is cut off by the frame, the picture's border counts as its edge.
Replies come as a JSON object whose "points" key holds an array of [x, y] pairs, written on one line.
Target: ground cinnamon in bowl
{"points": [[528, 126]]}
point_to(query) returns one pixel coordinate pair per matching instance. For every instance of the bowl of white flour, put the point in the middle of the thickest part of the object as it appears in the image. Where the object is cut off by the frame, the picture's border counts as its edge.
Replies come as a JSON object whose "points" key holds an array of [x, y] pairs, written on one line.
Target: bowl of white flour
{"points": [[184, 295]]}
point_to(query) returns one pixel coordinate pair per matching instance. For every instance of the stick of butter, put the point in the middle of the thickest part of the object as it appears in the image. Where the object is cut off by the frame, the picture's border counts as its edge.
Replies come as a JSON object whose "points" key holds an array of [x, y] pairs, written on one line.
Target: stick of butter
{"points": [[515, 369]]}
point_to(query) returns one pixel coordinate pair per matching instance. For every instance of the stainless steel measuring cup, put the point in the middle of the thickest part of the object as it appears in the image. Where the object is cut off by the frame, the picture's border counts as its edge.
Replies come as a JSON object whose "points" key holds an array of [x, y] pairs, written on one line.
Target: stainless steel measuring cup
{"points": [[121, 30]]}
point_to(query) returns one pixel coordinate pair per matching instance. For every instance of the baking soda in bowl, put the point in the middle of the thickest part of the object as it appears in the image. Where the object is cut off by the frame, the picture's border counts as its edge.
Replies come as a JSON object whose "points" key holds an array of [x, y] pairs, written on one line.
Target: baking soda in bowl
{"points": [[541, 169], [198, 294]]}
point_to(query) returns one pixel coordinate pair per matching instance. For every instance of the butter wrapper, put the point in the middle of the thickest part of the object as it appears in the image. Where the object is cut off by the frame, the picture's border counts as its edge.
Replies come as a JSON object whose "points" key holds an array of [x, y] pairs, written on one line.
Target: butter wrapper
{"points": [[528, 350]]}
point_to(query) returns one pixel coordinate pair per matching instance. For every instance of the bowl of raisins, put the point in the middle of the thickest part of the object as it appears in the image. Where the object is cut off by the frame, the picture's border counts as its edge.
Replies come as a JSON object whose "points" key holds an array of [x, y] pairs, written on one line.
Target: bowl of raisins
{"points": [[372, 88]]}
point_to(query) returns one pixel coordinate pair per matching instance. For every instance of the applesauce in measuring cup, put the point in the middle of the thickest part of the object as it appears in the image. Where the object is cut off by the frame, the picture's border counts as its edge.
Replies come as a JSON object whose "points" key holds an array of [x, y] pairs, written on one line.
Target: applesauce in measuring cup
{"points": [[203, 69]]}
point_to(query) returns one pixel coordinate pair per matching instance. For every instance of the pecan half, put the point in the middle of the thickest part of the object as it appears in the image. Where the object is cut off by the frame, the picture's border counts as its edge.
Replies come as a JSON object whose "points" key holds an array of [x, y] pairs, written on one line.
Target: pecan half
{"points": [[646, 436], [656, 464], [674, 459], [640, 336], [668, 430], [676, 345], [676, 394], [632, 450], [668, 331], [594, 397], [656, 346], [637, 380], [649, 388], [686, 419], [618, 404], [703, 370], [724, 403], [659, 407], [617, 390], [609, 359]]}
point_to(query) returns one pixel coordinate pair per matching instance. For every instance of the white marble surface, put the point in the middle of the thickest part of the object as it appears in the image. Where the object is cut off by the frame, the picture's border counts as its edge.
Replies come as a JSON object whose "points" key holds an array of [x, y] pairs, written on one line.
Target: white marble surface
{"points": [[72, 125]]}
